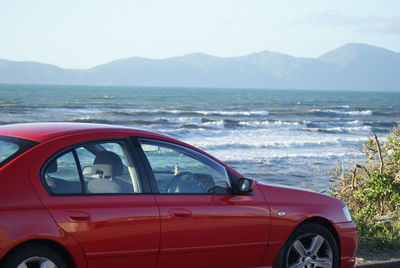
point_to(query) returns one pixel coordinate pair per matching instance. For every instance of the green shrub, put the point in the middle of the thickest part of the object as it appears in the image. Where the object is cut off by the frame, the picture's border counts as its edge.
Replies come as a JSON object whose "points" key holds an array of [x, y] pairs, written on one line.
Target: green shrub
{"points": [[378, 234], [372, 191]]}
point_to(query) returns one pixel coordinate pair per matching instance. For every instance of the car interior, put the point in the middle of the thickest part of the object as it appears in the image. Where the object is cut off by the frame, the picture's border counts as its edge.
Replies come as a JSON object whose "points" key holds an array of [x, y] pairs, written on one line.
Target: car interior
{"points": [[106, 174]]}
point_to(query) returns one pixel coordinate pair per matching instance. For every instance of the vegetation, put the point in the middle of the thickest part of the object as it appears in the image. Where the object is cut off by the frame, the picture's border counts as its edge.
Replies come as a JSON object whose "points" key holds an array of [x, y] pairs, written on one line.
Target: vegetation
{"points": [[372, 191]]}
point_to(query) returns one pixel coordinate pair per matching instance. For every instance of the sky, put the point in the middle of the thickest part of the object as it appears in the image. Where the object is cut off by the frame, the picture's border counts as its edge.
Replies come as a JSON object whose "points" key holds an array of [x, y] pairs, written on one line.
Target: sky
{"points": [[80, 34]]}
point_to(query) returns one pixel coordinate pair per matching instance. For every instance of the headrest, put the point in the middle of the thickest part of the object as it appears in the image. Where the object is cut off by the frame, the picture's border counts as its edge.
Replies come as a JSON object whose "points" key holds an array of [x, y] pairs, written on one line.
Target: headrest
{"points": [[107, 165]]}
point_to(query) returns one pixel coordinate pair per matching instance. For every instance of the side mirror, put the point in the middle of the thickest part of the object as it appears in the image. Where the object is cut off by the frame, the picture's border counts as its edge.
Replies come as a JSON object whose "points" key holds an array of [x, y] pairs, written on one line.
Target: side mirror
{"points": [[245, 185]]}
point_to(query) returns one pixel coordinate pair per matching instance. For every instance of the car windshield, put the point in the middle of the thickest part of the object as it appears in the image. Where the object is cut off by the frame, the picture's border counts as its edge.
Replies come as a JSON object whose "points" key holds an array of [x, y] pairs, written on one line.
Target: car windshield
{"points": [[11, 147]]}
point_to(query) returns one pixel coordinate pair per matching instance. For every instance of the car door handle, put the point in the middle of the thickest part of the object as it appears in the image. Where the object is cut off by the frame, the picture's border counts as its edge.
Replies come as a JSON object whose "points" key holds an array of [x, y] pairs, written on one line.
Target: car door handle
{"points": [[180, 212], [78, 216]]}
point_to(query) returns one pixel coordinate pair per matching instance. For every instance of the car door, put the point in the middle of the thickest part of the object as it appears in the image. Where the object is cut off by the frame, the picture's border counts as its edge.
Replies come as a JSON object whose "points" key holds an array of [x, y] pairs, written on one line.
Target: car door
{"points": [[203, 223], [96, 193]]}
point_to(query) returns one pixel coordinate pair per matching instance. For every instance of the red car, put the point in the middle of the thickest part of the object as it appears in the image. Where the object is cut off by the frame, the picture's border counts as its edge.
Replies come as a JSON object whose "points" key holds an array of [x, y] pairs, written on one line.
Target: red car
{"points": [[88, 195]]}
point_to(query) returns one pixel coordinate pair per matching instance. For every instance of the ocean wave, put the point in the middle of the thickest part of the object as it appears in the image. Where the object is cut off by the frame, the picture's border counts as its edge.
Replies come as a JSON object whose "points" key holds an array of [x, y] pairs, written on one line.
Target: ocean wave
{"points": [[186, 112], [322, 126], [256, 123], [184, 120], [381, 124], [257, 142], [91, 120], [102, 97], [337, 126], [333, 124], [238, 158], [231, 113], [341, 112], [88, 119], [190, 122], [13, 105], [267, 145], [342, 129], [232, 124]]}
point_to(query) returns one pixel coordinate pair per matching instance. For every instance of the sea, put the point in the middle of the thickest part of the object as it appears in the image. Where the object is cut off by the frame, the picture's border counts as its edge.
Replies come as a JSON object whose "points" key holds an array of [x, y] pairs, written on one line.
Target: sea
{"points": [[298, 138]]}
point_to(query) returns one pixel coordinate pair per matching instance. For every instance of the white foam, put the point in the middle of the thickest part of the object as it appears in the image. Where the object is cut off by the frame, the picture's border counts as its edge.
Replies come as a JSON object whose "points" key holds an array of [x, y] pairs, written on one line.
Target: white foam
{"points": [[185, 120], [268, 123], [343, 129], [350, 129], [366, 112], [262, 138], [232, 113], [214, 123], [200, 112], [263, 156]]}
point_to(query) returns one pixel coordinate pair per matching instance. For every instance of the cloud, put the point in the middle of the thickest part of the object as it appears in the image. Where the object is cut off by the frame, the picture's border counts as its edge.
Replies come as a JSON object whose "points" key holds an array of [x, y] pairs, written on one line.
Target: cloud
{"points": [[368, 24]]}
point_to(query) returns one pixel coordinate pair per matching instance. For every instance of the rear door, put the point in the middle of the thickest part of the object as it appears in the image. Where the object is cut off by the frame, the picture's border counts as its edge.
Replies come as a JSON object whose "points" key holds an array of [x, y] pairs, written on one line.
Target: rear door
{"points": [[203, 223], [96, 193]]}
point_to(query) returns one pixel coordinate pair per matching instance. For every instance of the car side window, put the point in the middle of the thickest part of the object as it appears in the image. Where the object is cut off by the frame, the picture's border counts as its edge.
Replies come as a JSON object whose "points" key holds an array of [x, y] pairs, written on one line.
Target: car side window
{"points": [[93, 168], [62, 175], [179, 170], [7, 149]]}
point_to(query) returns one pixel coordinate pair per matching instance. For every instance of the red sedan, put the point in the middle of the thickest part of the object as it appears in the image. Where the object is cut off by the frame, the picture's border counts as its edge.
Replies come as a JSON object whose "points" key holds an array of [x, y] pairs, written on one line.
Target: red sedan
{"points": [[87, 195]]}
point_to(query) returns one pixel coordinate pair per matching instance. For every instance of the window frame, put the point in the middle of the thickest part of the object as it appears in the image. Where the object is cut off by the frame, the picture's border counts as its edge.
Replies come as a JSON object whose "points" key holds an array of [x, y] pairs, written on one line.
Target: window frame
{"points": [[132, 155], [23, 146], [186, 150]]}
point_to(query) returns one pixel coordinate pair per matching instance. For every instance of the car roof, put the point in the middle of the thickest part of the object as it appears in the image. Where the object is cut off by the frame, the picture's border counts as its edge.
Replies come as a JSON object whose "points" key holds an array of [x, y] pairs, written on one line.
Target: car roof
{"points": [[42, 132]]}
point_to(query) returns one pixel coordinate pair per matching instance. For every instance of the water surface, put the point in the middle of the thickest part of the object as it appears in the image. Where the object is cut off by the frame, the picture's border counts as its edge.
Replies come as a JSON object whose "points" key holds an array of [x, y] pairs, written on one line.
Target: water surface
{"points": [[292, 137]]}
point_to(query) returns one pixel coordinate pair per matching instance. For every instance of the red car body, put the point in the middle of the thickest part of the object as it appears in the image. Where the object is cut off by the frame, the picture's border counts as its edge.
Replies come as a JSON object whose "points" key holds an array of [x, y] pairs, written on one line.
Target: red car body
{"points": [[152, 229]]}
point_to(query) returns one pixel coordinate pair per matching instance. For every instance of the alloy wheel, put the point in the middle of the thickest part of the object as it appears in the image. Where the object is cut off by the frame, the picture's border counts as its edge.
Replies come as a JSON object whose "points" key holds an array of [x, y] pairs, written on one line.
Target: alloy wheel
{"points": [[37, 262], [310, 251]]}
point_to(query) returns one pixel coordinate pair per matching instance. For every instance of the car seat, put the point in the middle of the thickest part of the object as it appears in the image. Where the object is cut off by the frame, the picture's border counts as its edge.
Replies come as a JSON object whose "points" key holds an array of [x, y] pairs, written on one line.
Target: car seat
{"points": [[106, 166]]}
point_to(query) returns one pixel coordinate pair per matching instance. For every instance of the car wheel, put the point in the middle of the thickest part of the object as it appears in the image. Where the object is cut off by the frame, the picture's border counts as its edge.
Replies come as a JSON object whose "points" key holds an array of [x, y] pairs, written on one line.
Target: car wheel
{"points": [[33, 256], [309, 246]]}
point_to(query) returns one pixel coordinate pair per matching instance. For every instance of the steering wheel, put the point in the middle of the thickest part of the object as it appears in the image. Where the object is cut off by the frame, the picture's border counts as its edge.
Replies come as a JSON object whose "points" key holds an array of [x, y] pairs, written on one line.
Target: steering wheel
{"points": [[186, 180]]}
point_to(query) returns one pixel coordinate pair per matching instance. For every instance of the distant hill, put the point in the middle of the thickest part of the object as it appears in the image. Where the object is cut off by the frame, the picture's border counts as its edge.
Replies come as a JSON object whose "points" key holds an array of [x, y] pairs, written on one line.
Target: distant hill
{"points": [[352, 67]]}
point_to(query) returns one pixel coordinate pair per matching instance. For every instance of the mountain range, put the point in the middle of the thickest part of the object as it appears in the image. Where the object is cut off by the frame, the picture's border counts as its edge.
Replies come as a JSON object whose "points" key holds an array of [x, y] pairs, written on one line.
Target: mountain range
{"points": [[349, 67]]}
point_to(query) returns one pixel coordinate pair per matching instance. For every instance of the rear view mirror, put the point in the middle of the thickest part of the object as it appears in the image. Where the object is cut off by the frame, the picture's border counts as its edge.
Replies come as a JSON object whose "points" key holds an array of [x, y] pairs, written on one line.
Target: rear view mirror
{"points": [[245, 185]]}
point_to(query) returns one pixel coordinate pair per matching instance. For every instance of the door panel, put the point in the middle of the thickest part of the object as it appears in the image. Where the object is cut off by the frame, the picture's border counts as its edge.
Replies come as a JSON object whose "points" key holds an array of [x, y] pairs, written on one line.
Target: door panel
{"points": [[202, 223], [223, 230], [111, 229]]}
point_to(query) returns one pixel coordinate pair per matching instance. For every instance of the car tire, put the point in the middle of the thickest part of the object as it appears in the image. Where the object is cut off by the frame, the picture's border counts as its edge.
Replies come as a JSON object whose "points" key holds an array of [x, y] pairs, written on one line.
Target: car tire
{"points": [[33, 255], [309, 246]]}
